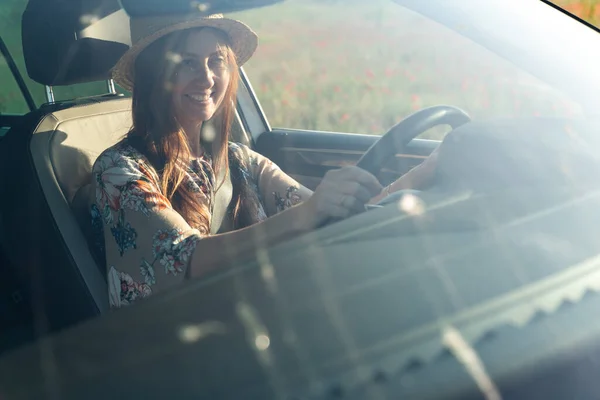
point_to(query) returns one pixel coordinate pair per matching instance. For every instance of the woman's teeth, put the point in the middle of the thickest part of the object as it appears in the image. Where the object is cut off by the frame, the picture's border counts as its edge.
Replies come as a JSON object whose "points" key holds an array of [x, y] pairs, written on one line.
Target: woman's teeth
{"points": [[198, 97]]}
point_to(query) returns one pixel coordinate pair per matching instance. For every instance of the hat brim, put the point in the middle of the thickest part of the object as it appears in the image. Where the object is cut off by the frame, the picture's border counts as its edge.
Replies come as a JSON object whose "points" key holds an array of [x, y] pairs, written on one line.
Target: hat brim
{"points": [[242, 39]]}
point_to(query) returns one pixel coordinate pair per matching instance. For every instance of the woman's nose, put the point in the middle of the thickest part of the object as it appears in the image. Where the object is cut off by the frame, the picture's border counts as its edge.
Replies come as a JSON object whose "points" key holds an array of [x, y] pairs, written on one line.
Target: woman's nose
{"points": [[205, 77]]}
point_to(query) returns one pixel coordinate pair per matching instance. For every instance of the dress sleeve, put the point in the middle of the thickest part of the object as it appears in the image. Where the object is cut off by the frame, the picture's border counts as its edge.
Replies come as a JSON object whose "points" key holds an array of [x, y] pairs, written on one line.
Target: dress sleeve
{"points": [[277, 189], [148, 245]]}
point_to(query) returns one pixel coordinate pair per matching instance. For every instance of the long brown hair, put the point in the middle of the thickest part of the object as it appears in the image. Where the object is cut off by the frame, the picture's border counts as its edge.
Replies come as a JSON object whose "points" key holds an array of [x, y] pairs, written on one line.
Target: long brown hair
{"points": [[157, 134]]}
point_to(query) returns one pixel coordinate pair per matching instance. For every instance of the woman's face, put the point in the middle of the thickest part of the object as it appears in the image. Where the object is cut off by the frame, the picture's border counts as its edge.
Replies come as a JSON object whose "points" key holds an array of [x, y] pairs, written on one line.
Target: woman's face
{"points": [[201, 77]]}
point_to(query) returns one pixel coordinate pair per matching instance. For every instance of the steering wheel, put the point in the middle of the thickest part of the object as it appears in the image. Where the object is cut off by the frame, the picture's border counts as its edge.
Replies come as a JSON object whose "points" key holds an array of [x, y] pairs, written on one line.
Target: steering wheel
{"points": [[401, 134]]}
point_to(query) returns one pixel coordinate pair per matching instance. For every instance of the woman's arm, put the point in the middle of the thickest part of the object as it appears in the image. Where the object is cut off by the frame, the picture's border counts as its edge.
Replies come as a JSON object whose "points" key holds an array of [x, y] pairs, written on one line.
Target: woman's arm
{"points": [[341, 193], [225, 249]]}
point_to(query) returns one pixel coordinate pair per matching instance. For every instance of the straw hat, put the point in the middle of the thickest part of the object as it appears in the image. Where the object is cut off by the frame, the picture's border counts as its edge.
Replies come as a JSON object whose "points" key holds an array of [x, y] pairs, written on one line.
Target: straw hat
{"points": [[146, 30]]}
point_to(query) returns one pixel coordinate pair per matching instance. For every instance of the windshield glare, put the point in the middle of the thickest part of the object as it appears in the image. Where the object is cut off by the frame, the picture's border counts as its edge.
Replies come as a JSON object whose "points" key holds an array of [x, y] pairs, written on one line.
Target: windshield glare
{"points": [[363, 66]]}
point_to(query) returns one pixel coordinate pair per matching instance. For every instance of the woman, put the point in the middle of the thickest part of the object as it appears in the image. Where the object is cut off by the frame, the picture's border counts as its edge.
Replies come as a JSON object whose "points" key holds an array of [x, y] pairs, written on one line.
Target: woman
{"points": [[174, 203]]}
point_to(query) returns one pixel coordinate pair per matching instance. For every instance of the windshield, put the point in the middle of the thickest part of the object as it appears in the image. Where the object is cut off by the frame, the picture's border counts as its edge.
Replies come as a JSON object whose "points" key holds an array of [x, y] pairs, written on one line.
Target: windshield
{"points": [[362, 66], [345, 292], [553, 48]]}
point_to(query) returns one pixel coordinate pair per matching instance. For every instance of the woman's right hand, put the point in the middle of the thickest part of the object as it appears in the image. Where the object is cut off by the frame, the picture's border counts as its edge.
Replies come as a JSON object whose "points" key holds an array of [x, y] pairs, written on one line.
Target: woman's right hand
{"points": [[341, 193], [417, 178]]}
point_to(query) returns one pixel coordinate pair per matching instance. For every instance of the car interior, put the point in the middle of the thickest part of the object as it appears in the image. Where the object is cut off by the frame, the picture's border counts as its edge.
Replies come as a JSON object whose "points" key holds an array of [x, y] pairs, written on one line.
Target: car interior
{"points": [[53, 281], [47, 157], [48, 153]]}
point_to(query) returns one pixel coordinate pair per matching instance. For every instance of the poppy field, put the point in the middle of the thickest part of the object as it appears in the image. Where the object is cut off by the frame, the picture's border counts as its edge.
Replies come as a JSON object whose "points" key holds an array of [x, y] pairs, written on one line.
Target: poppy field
{"points": [[325, 65], [350, 66]]}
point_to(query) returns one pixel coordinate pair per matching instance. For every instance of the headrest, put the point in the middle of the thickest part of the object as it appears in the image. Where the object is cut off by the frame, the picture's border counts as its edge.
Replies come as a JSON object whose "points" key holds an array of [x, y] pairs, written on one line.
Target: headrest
{"points": [[66, 42]]}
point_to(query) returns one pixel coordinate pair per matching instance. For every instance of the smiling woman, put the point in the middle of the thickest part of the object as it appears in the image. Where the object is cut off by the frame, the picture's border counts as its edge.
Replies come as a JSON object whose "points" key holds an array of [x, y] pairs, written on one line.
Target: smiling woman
{"points": [[172, 203]]}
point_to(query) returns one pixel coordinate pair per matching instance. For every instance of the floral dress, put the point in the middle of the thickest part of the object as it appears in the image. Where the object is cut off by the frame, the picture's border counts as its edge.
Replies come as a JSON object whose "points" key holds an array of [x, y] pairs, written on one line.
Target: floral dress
{"points": [[144, 243]]}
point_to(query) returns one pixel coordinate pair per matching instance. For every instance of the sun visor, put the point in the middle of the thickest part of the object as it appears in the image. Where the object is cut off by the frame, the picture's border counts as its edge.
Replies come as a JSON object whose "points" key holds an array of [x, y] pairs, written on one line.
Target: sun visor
{"points": [[66, 42]]}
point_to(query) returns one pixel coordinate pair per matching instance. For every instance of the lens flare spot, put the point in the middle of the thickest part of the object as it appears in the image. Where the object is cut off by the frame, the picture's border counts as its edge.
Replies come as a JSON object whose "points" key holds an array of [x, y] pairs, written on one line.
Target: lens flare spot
{"points": [[88, 19], [411, 204], [175, 58], [200, 6], [208, 133], [262, 342], [194, 332]]}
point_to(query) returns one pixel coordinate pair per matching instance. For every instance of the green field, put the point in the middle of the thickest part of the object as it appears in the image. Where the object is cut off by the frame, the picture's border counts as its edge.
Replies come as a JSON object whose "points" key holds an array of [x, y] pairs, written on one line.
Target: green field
{"points": [[326, 66]]}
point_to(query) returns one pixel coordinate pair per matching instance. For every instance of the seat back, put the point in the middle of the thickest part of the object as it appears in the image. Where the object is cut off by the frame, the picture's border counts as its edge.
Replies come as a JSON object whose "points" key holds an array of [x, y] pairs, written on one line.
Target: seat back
{"points": [[64, 147], [45, 165]]}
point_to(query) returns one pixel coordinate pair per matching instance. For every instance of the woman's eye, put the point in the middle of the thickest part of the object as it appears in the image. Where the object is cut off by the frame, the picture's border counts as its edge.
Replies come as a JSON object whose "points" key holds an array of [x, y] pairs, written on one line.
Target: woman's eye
{"points": [[189, 63], [219, 61]]}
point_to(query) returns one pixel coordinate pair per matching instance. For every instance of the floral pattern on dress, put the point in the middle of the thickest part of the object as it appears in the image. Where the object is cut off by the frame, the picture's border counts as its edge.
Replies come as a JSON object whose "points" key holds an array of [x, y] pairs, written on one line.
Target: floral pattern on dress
{"points": [[147, 271], [124, 183], [202, 169], [243, 170], [200, 180], [139, 196], [123, 290], [292, 198], [172, 249], [115, 172], [124, 234]]}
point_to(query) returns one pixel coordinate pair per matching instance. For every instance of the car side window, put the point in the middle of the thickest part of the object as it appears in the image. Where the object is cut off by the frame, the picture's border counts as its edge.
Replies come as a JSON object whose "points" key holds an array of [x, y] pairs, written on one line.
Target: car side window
{"points": [[361, 66], [12, 100]]}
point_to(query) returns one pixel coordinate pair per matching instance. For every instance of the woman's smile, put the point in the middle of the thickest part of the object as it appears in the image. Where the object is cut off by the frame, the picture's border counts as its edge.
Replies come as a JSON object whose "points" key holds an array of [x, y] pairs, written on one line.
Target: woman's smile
{"points": [[200, 99]]}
